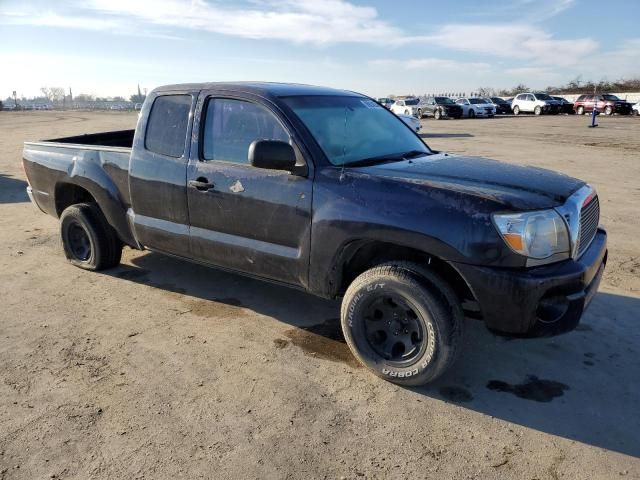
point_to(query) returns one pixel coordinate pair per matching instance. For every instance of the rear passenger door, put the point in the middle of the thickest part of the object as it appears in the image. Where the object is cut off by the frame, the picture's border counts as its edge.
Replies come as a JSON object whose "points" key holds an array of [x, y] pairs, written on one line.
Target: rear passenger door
{"points": [[248, 219], [157, 173], [589, 102]]}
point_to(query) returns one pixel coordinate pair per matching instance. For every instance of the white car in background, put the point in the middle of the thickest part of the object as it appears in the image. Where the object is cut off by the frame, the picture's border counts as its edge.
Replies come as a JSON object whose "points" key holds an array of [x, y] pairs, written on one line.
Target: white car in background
{"points": [[408, 106], [412, 121], [536, 103], [636, 109], [476, 107]]}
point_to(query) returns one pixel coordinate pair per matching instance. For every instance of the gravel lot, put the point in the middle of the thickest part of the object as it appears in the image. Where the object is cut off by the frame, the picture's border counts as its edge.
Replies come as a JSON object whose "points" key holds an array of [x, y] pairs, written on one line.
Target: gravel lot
{"points": [[162, 369]]}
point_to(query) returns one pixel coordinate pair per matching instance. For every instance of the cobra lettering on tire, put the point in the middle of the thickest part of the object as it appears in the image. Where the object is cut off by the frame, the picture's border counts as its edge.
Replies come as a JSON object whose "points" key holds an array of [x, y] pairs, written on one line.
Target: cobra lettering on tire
{"points": [[402, 322]]}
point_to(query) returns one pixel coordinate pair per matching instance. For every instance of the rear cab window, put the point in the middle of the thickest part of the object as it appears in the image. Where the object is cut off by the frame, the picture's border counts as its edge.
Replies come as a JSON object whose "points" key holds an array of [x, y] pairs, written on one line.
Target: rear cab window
{"points": [[167, 125]]}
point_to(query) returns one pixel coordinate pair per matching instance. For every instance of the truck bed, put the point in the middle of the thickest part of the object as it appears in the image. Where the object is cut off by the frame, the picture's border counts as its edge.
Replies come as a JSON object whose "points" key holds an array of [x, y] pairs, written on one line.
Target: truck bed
{"points": [[119, 138], [96, 162]]}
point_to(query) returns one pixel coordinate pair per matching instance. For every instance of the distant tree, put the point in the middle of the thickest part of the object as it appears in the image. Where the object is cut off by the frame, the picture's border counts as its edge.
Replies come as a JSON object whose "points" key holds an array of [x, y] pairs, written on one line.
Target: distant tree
{"points": [[137, 98], [119, 99], [53, 94], [486, 92]]}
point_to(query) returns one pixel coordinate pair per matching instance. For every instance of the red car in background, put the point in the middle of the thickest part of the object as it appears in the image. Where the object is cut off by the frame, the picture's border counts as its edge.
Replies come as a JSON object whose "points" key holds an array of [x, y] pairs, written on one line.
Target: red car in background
{"points": [[605, 103]]}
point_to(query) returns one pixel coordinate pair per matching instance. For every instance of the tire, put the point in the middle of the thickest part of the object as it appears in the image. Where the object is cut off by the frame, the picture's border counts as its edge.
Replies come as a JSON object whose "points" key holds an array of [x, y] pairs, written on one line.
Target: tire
{"points": [[608, 110], [636, 112], [472, 113], [407, 112], [88, 240], [537, 110], [580, 110], [419, 305], [437, 114], [420, 113], [516, 110]]}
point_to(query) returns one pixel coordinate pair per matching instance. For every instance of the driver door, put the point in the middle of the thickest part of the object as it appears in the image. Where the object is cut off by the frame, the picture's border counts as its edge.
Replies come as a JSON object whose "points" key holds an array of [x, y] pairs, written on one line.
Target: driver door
{"points": [[243, 218]]}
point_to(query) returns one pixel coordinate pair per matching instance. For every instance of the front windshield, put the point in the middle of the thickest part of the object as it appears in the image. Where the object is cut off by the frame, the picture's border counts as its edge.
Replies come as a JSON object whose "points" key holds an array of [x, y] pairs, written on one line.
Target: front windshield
{"points": [[543, 96], [353, 129], [412, 101], [611, 97], [477, 101], [498, 100], [443, 100]]}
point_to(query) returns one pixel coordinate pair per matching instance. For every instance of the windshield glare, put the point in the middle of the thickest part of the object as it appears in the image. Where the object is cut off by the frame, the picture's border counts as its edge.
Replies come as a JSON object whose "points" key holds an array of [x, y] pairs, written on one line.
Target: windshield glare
{"points": [[350, 129]]}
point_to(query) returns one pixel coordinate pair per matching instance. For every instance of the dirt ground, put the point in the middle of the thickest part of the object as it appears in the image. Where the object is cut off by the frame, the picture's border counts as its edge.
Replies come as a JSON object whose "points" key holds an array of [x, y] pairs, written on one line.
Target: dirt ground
{"points": [[162, 369]]}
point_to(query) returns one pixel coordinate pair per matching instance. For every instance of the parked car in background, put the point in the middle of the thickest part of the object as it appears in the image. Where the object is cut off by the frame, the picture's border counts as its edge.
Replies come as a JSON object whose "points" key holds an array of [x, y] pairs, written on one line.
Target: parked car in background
{"points": [[386, 102], [408, 106], [536, 103], [440, 107], [565, 105], [605, 103], [502, 106], [636, 108], [476, 107], [411, 121]]}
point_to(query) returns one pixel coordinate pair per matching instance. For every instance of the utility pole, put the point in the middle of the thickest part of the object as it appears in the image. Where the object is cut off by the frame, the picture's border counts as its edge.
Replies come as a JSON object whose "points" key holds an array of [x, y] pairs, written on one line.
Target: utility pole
{"points": [[15, 99]]}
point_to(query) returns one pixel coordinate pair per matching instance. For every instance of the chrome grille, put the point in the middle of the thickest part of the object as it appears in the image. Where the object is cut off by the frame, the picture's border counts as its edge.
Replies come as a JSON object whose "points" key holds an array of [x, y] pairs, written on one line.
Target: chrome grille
{"points": [[589, 220]]}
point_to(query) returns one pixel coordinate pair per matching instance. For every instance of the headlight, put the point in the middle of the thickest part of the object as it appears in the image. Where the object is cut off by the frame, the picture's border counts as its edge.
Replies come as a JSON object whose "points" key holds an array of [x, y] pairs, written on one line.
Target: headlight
{"points": [[537, 235]]}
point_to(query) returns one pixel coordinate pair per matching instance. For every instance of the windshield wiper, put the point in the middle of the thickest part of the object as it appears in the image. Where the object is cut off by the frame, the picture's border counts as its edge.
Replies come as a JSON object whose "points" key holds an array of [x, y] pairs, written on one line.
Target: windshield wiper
{"points": [[397, 157]]}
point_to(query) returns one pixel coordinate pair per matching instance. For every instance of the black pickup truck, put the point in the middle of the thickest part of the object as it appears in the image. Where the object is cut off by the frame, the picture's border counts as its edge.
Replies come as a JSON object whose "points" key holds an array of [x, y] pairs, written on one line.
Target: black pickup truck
{"points": [[327, 191]]}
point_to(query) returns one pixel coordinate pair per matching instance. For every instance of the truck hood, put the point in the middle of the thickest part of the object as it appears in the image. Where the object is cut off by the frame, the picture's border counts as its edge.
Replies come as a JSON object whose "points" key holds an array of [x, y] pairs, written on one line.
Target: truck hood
{"points": [[508, 186]]}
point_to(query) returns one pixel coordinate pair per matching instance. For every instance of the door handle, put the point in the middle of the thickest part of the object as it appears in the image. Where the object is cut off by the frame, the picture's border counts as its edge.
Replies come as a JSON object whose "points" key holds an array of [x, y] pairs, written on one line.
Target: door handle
{"points": [[201, 184]]}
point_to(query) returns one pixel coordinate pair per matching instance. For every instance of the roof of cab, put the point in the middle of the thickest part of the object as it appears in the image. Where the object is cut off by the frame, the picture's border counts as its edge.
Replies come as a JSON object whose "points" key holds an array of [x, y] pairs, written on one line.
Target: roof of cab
{"points": [[258, 88]]}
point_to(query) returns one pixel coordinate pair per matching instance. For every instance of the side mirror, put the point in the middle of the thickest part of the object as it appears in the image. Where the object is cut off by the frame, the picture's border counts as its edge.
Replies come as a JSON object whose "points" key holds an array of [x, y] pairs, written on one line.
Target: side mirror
{"points": [[272, 154]]}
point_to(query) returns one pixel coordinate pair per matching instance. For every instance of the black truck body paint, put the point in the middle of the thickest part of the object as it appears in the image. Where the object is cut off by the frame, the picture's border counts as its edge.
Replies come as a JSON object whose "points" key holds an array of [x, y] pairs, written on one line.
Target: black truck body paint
{"points": [[302, 228]]}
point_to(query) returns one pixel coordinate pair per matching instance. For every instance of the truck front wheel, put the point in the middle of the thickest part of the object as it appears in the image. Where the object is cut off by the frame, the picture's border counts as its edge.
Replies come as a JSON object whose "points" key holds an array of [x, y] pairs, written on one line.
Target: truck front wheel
{"points": [[402, 322], [88, 240]]}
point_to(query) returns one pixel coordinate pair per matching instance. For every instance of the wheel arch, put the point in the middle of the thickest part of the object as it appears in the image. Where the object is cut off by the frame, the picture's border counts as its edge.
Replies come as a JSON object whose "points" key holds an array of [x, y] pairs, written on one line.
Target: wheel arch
{"points": [[361, 255], [67, 194], [80, 189]]}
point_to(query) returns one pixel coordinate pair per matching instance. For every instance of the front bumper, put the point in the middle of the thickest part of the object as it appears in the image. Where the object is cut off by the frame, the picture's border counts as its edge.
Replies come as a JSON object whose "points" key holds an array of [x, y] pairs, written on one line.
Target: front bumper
{"points": [[552, 109], [622, 109], [452, 112], [541, 301]]}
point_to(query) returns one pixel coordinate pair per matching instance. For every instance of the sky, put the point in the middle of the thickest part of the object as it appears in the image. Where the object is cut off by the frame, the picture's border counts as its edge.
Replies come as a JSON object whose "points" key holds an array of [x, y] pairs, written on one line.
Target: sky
{"points": [[377, 47]]}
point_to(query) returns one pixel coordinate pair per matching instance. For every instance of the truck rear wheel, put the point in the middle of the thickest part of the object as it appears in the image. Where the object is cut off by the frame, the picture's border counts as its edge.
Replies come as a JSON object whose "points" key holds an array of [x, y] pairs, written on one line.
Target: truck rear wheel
{"points": [[403, 323], [88, 240]]}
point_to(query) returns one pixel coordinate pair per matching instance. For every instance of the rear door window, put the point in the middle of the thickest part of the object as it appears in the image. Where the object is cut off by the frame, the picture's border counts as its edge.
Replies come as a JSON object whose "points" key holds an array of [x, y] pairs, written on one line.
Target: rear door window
{"points": [[167, 125]]}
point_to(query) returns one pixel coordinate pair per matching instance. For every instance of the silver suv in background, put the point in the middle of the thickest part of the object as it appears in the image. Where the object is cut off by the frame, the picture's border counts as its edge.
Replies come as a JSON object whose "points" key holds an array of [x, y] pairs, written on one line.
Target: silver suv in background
{"points": [[536, 103]]}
